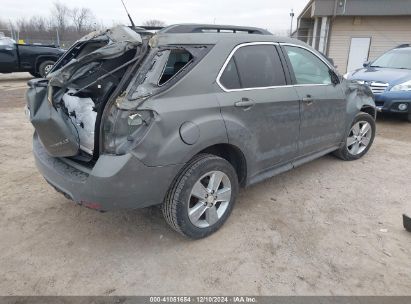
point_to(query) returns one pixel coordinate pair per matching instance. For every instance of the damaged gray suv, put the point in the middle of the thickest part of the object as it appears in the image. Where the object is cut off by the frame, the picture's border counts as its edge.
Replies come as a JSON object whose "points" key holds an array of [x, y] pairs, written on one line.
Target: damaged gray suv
{"points": [[187, 116]]}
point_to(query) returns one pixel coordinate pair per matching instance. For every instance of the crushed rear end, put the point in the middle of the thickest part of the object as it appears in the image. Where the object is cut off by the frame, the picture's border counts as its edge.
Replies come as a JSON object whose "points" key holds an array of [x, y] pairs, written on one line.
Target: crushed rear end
{"points": [[88, 120], [93, 71]]}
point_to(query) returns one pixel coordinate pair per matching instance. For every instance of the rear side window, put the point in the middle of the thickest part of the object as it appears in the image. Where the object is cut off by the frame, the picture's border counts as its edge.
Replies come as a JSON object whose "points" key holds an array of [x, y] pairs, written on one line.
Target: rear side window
{"points": [[176, 61], [254, 66], [163, 68]]}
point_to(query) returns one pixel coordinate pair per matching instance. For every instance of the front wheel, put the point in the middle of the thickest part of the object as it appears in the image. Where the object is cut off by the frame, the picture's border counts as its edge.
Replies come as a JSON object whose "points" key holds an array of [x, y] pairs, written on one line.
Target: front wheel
{"points": [[202, 197], [360, 138]]}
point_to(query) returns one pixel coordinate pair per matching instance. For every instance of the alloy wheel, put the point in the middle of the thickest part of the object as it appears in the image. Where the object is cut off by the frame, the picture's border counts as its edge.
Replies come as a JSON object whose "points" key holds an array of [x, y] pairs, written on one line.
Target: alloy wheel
{"points": [[47, 68], [359, 137], [209, 199]]}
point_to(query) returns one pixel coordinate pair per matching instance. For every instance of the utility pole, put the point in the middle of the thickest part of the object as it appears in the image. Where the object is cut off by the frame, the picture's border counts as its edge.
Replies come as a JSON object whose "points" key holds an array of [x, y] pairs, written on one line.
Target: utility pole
{"points": [[11, 30], [291, 25], [58, 37]]}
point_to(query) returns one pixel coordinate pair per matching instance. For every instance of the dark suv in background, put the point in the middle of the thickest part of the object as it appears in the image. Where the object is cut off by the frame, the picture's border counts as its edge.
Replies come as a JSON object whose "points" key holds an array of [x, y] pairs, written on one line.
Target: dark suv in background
{"points": [[185, 117], [389, 78]]}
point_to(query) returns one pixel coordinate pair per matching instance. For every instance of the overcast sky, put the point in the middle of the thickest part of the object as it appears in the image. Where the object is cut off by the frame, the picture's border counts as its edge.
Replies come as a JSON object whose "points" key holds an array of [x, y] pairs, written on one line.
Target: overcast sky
{"points": [[270, 14]]}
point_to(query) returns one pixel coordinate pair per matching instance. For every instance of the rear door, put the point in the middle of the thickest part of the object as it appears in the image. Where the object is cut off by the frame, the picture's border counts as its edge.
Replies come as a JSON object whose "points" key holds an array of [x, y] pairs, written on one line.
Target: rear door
{"points": [[260, 110], [323, 103]]}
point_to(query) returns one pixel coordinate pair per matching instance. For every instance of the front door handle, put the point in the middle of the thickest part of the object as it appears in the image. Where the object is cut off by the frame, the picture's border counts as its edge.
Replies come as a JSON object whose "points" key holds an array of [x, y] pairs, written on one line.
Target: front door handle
{"points": [[244, 103], [308, 100]]}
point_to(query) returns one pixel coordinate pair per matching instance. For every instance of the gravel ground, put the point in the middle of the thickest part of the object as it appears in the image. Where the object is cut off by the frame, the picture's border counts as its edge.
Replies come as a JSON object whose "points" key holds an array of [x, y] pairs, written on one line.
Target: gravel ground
{"points": [[329, 227]]}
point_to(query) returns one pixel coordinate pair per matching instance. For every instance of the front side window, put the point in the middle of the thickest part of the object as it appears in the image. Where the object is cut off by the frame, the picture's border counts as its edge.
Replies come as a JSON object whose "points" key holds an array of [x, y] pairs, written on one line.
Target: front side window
{"points": [[308, 68], [253, 66]]}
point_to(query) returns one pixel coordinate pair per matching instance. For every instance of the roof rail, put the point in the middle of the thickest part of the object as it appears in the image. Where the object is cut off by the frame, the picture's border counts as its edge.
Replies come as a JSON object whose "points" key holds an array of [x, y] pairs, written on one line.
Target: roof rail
{"points": [[213, 28], [150, 28], [404, 45]]}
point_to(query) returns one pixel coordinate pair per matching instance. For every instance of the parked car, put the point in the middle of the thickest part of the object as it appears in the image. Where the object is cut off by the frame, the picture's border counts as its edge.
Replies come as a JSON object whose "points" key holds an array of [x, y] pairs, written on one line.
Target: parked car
{"points": [[35, 59], [389, 78], [184, 118]]}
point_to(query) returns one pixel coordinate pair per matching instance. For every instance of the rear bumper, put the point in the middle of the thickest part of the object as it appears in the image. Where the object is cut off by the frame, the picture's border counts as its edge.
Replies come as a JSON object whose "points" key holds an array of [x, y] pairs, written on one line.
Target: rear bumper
{"points": [[390, 101], [115, 182]]}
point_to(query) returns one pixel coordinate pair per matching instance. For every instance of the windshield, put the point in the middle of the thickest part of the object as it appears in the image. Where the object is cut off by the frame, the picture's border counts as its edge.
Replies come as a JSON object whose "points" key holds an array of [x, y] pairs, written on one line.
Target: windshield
{"points": [[396, 59]]}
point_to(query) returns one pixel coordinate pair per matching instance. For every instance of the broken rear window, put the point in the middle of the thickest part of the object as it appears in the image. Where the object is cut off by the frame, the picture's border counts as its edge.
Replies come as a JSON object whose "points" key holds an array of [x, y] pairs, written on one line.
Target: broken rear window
{"points": [[162, 68], [177, 60]]}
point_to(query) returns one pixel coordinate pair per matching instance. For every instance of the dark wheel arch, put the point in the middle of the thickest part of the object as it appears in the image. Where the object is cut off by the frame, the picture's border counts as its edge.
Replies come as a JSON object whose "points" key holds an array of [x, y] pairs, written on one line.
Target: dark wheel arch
{"points": [[233, 155], [369, 110]]}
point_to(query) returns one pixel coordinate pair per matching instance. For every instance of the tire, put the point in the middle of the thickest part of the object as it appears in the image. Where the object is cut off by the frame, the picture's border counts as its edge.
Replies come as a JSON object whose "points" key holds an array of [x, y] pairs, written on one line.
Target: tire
{"points": [[409, 117], [45, 67], [363, 140], [181, 207], [34, 74]]}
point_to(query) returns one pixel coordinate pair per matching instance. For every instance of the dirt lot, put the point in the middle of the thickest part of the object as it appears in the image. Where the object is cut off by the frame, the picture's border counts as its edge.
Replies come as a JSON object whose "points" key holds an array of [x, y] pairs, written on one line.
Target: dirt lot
{"points": [[328, 227]]}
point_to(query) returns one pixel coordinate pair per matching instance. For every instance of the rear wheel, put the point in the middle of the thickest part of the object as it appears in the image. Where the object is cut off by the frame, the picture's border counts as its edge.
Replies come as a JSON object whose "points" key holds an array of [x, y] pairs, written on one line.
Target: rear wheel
{"points": [[45, 67], [359, 139], [202, 197]]}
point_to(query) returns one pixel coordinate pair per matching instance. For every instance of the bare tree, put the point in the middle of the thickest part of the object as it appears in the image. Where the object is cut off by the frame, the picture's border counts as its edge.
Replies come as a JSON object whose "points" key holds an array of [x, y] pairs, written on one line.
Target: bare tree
{"points": [[82, 19], [4, 29], [154, 22], [59, 16], [3, 25], [38, 24], [63, 25]]}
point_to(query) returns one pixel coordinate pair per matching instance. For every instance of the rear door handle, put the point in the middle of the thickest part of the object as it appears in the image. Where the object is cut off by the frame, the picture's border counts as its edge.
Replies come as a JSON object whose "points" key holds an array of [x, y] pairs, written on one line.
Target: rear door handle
{"points": [[244, 103], [308, 100]]}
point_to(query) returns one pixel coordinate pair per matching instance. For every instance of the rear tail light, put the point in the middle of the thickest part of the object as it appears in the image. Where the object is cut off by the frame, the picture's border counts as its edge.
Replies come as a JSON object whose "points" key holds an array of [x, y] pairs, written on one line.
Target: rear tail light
{"points": [[123, 129]]}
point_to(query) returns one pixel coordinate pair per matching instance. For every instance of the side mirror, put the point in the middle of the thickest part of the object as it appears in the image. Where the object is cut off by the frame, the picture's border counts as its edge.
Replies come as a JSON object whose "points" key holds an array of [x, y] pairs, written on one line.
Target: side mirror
{"points": [[335, 79], [366, 64]]}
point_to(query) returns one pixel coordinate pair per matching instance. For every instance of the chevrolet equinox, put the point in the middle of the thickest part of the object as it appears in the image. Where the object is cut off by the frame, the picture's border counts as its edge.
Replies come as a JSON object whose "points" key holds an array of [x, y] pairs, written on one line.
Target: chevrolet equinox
{"points": [[185, 117]]}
